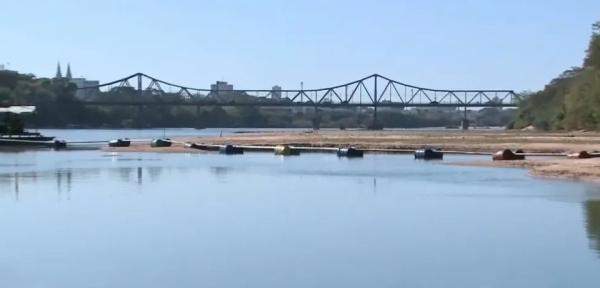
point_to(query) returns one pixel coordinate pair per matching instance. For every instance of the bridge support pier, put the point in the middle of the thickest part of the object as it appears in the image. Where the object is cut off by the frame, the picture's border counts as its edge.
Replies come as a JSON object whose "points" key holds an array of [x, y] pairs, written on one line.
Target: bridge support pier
{"points": [[375, 125], [316, 121], [198, 121], [465, 121], [139, 117]]}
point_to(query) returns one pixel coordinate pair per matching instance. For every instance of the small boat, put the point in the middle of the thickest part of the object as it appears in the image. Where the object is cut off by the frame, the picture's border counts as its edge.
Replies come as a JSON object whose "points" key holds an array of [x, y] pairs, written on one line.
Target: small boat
{"points": [[58, 144], [119, 143], [202, 147], [192, 145], [230, 150], [285, 150], [12, 132], [581, 155], [507, 155], [349, 152], [156, 143], [27, 136], [429, 154]]}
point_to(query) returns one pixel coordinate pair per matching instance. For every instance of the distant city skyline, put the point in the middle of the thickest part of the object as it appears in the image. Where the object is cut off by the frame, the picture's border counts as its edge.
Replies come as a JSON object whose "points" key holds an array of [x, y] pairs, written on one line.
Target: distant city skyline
{"points": [[255, 45]]}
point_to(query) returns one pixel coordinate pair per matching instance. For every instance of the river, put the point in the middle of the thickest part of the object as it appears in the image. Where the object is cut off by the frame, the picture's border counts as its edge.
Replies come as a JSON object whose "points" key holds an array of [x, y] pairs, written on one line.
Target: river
{"points": [[96, 219]]}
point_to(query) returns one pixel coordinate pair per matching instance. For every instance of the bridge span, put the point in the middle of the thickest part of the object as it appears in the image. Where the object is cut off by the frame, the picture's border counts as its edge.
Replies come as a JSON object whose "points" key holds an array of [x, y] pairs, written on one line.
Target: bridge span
{"points": [[372, 91]]}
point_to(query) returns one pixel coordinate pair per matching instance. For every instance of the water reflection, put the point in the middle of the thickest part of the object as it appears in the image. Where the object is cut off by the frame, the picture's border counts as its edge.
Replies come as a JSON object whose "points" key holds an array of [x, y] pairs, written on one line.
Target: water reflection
{"points": [[64, 180], [139, 176], [124, 173], [592, 217], [154, 173], [219, 170], [17, 184]]}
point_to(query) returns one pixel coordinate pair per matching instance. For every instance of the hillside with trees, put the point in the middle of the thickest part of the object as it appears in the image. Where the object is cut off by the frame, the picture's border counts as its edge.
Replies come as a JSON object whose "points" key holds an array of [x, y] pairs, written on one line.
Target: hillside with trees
{"points": [[569, 102]]}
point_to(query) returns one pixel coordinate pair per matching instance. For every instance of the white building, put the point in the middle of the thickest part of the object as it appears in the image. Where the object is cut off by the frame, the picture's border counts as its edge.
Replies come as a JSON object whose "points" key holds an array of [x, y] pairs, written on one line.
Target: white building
{"points": [[221, 86], [276, 92], [83, 83]]}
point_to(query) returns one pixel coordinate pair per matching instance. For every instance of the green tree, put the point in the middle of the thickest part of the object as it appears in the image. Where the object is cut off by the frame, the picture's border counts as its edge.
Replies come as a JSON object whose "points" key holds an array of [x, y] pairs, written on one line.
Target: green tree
{"points": [[592, 58]]}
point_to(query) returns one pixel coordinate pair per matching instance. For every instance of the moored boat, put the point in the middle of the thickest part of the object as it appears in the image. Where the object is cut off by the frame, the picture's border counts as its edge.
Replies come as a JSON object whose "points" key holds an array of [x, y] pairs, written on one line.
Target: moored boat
{"points": [[161, 143], [429, 154], [349, 152], [230, 150], [119, 143], [285, 150], [508, 155], [12, 129]]}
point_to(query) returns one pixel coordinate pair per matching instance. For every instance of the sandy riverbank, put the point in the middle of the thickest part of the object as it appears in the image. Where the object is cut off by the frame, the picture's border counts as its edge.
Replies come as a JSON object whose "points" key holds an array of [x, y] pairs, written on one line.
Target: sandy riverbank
{"points": [[448, 140], [556, 168], [471, 141]]}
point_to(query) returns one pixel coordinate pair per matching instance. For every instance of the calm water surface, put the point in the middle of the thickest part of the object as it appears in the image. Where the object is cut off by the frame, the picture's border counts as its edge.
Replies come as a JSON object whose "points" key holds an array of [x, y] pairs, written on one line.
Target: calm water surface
{"points": [[96, 219]]}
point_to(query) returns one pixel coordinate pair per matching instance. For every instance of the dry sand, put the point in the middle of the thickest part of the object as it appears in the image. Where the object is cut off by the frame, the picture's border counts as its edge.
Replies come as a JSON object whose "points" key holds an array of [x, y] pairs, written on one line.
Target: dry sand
{"points": [[491, 141], [470, 141], [558, 168]]}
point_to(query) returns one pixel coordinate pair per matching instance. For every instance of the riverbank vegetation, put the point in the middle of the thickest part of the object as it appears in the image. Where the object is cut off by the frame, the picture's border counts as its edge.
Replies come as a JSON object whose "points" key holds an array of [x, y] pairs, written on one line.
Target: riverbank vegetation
{"points": [[569, 102]]}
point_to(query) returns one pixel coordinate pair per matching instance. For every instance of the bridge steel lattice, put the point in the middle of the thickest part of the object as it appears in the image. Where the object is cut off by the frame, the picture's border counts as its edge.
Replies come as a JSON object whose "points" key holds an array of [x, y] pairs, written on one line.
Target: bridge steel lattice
{"points": [[372, 91]]}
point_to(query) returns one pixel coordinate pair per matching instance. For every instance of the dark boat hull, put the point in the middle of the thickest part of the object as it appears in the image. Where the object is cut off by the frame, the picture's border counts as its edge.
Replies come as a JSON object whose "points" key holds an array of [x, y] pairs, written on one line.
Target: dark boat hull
{"points": [[26, 141], [429, 154]]}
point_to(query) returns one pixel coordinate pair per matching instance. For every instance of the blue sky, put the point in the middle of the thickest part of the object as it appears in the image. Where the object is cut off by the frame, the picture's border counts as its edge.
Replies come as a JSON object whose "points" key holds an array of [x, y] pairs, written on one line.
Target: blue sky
{"points": [[482, 44]]}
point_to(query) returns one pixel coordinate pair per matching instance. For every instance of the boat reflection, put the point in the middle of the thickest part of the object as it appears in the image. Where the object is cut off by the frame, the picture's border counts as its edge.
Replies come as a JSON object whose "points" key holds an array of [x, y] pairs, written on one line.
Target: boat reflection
{"points": [[15, 185]]}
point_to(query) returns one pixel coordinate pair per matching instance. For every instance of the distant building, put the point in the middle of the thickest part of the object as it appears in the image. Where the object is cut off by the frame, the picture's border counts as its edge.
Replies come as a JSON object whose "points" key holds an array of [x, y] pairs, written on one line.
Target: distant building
{"points": [[79, 82], [69, 76], [276, 92], [220, 87], [83, 83], [58, 74]]}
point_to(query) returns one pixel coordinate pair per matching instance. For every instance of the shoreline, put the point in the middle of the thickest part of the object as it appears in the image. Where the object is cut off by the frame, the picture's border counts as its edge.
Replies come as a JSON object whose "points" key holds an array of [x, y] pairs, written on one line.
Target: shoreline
{"points": [[552, 168], [459, 142]]}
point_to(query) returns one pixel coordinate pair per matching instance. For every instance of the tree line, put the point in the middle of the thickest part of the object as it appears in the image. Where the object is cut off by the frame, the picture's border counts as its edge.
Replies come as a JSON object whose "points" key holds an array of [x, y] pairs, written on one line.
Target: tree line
{"points": [[569, 102]]}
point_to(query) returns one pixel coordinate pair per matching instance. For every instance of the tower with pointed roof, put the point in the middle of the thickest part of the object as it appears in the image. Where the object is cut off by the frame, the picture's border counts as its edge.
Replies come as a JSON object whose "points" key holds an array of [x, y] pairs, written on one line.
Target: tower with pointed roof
{"points": [[58, 72], [69, 76]]}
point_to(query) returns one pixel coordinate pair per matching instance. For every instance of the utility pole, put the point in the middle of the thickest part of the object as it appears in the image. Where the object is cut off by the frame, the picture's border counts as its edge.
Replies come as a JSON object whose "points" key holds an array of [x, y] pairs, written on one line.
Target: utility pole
{"points": [[302, 91]]}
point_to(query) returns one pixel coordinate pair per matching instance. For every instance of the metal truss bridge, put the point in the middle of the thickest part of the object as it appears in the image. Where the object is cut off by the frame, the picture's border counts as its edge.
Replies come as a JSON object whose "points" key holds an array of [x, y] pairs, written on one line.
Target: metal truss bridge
{"points": [[373, 91]]}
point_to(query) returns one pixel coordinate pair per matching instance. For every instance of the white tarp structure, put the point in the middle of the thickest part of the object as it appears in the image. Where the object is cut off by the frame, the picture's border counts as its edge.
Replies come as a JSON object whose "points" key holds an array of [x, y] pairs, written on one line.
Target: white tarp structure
{"points": [[17, 109]]}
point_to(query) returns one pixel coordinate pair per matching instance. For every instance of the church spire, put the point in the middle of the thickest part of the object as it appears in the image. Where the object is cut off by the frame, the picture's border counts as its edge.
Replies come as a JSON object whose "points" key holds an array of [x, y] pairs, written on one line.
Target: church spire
{"points": [[69, 76], [58, 73]]}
